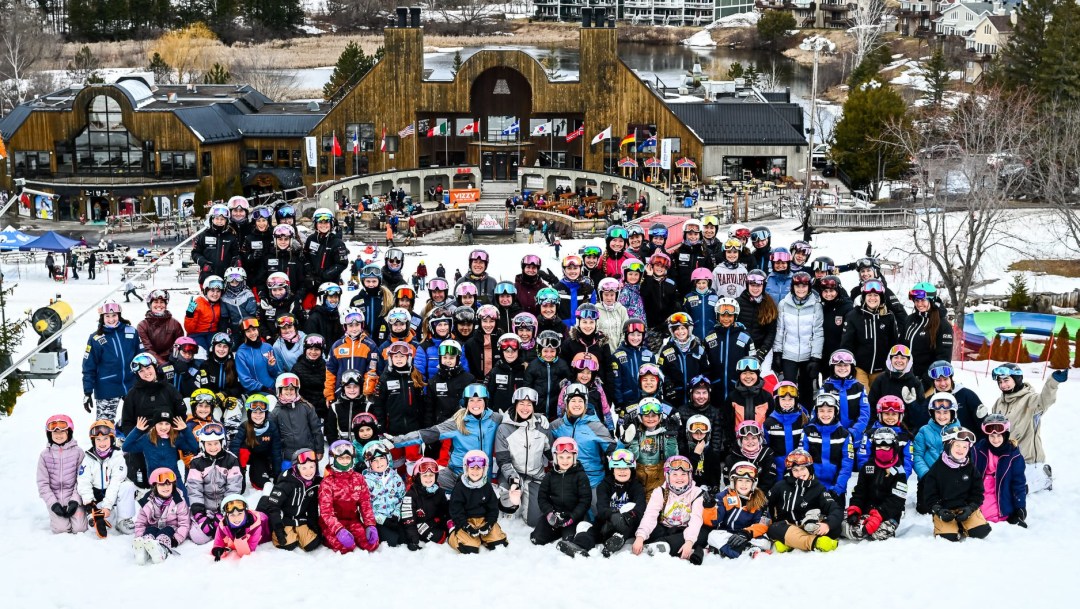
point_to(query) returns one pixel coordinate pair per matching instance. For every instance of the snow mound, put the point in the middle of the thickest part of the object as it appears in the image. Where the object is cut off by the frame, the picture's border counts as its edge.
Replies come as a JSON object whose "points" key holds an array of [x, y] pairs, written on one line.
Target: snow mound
{"points": [[701, 39], [737, 20]]}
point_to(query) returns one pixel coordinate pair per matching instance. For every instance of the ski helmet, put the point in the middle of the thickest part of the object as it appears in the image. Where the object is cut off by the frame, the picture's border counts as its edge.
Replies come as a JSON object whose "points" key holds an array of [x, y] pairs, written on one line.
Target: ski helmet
{"points": [[211, 432], [213, 282], [622, 458], [727, 306], [743, 470], [233, 502], [696, 422], [376, 449], [523, 320], [699, 274], [799, 457]]}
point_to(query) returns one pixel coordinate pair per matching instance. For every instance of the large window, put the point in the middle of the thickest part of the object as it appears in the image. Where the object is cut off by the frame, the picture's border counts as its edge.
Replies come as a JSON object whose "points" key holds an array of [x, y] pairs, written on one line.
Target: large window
{"points": [[105, 146], [178, 164], [31, 164]]}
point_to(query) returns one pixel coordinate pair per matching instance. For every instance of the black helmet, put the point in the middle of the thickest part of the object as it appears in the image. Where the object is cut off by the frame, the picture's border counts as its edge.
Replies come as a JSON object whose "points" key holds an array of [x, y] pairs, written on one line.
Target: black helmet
{"points": [[464, 315], [823, 263]]}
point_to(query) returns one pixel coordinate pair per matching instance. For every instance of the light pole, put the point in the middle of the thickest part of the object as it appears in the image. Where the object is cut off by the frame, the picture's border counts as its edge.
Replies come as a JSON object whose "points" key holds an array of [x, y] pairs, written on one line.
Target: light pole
{"points": [[815, 44]]}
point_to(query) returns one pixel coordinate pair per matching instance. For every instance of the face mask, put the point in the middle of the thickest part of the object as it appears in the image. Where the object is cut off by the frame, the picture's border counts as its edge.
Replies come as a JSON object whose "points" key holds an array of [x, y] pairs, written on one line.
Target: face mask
{"points": [[885, 457]]}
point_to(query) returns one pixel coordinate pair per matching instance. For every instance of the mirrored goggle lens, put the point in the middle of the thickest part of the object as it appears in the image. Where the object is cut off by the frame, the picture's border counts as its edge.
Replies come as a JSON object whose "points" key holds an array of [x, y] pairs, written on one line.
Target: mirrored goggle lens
{"points": [[699, 427], [755, 280], [726, 309], [211, 429], [917, 294], [760, 235], [57, 426], [235, 507], [286, 210], [648, 369], [353, 319], [635, 327], [744, 471], [531, 260], [748, 364], [314, 343], [941, 371], [258, 406], [781, 257], [399, 349], [308, 456], [965, 435], [650, 408], [438, 284], [801, 279], [618, 233], [588, 314], [478, 255], [680, 465], [97, 430], [874, 286], [742, 233], [941, 405], [787, 391], [141, 361], [505, 345], [562, 448], [591, 250], [427, 467], [900, 350], [164, 477], [586, 363], [289, 381], [679, 319], [215, 285], [891, 406], [449, 350], [342, 449], [622, 456], [249, 323], [635, 267], [475, 391], [286, 320], [505, 288], [829, 284], [261, 212], [476, 462], [234, 277], [110, 307], [334, 290]]}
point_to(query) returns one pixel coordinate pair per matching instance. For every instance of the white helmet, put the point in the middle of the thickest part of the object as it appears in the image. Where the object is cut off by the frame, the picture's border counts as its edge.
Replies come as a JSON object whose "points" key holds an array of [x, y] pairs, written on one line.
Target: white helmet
{"points": [[211, 432], [278, 279], [727, 302], [346, 313], [699, 419], [692, 224], [322, 213], [211, 280], [234, 272], [608, 284], [239, 202]]}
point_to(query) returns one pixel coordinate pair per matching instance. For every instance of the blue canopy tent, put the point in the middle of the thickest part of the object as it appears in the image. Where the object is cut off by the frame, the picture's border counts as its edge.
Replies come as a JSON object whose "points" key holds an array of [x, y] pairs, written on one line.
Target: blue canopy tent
{"points": [[50, 242], [11, 239]]}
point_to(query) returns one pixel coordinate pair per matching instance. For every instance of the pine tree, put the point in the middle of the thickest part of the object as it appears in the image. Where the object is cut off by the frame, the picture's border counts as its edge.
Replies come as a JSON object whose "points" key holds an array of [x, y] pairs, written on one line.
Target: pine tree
{"points": [[869, 67], [1019, 297], [11, 335], [1059, 352], [83, 67], [735, 70], [160, 68], [773, 26], [456, 67], [351, 66], [936, 74], [1058, 73], [858, 147], [217, 75], [1020, 57]]}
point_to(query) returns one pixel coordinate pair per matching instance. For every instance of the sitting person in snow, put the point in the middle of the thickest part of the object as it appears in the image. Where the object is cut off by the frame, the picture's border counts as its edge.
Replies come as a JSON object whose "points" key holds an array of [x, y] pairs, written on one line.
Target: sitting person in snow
{"points": [[742, 517], [474, 508], [877, 503], [387, 490], [57, 475], [890, 413], [750, 446], [258, 444], [213, 474], [998, 460], [564, 499], [954, 490], [620, 503], [163, 521], [240, 530], [108, 497], [650, 433], [345, 514], [292, 507], [672, 520], [425, 510], [805, 515]]}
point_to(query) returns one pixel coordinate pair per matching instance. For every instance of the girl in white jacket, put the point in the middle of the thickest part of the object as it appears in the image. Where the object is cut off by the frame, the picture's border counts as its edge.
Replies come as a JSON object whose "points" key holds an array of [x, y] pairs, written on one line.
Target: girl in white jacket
{"points": [[612, 314], [108, 496], [522, 442]]}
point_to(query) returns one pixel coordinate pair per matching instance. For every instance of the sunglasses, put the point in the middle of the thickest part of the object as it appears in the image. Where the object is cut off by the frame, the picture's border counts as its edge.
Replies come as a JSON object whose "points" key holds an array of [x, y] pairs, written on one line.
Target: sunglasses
{"points": [[308, 456], [941, 372], [680, 465]]}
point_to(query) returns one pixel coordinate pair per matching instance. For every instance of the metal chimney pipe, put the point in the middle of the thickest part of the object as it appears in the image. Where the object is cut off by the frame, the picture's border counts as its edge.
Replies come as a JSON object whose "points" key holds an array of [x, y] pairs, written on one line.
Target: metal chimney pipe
{"points": [[586, 16], [402, 16], [599, 16], [414, 15]]}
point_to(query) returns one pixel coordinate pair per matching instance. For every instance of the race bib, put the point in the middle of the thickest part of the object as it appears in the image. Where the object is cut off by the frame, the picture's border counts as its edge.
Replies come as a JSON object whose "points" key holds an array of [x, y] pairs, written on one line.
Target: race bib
{"points": [[256, 245], [211, 241], [314, 247], [684, 257], [272, 262], [440, 387], [502, 378], [393, 385]]}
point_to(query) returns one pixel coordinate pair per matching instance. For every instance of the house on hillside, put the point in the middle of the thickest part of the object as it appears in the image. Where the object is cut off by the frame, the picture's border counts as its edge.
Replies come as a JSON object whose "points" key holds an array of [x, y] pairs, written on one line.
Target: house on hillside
{"points": [[916, 17], [960, 18], [815, 13], [984, 42]]}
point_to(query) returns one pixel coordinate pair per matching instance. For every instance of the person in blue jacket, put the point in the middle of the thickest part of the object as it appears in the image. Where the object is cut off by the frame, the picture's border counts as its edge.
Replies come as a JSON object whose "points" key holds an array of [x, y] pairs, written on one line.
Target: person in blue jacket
{"points": [[440, 324], [778, 285], [471, 428], [593, 438], [854, 406], [727, 342], [160, 441], [574, 289], [256, 366], [829, 443], [927, 446], [238, 300], [626, 361], [785, 423], [700, 302], [105, 373]]}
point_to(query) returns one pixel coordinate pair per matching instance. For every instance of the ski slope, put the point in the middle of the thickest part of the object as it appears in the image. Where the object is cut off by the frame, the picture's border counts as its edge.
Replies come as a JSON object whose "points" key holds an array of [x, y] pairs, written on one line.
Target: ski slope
{"points": [[44, 570]]}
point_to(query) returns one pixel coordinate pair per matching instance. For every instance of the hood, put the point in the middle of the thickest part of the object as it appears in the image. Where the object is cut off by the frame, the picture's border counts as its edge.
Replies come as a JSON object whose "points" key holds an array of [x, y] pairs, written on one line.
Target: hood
{"points": [[1018, 394], [157, 321]]}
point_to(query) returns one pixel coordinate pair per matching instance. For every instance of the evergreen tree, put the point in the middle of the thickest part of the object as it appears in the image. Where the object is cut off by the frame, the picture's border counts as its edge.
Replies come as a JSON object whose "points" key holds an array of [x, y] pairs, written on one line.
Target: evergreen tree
{"points": [[936, 73], [859, 147], [773, 26], [83, 67], [735, 70], [869, 67], [1020, 58], [1057, 76], [217, 75], [1059, 350], [1019, 297], [160, 68], [457, 63], [351, 66]]}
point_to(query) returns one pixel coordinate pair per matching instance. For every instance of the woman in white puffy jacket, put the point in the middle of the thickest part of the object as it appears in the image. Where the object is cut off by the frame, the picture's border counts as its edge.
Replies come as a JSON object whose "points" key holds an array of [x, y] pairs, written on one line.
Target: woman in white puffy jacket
{"points": [[107, 495], [612, 314], [522, 443], [800, 334]]}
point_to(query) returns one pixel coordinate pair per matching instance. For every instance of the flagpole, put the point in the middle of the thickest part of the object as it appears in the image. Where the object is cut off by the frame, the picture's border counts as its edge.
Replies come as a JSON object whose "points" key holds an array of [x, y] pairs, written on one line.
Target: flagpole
{"points": [[333, 153]]}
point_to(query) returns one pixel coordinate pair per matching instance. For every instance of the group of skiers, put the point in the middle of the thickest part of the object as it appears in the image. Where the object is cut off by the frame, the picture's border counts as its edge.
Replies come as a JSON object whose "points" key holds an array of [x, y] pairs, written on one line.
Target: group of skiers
{"points": [[625, 403]]}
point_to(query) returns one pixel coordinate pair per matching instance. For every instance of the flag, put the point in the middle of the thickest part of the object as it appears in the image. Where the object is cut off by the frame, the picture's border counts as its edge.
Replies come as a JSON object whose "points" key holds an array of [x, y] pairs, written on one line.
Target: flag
{"points": [[650, 142], [630, 138], [407, 131], [544, 129], [442, 128], [513, 129], [3, 149], [471, 129], [382, 146], [575, 134], [335, 147], [603, 135], [355, 141]]}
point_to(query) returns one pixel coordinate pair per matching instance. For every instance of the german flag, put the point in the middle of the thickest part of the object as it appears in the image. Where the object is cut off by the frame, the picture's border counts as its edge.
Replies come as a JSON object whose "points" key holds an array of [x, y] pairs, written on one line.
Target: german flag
{"points": [[631, 138]]}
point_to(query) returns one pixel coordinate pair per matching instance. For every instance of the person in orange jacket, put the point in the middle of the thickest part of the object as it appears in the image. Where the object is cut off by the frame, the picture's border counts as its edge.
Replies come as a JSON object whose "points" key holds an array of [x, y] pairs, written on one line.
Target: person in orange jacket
{"points": [[354, 351], [205, 314]]}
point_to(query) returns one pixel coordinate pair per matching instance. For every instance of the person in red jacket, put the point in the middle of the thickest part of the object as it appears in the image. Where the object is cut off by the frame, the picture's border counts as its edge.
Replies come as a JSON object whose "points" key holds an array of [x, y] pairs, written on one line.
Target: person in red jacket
{"points": [[206, 314], [345, 514], [159, 330]]}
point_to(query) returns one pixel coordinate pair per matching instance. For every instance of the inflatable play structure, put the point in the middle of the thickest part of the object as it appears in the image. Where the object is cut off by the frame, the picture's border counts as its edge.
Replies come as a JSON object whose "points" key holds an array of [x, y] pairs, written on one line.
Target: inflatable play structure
{"points": [[1035, 329]]}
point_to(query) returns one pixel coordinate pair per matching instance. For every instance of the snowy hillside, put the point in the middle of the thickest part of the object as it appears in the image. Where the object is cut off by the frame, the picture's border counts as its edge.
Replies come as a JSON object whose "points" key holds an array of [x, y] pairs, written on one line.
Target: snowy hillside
{"points": [[43, 570]]}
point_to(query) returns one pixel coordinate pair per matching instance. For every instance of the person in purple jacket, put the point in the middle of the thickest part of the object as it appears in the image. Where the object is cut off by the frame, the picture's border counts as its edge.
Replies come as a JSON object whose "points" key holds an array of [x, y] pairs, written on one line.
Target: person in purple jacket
{"points": [[57, 476]]}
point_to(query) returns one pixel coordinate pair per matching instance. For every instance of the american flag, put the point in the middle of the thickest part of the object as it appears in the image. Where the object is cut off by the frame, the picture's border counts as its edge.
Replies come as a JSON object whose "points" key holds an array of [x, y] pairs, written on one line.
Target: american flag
{"points": [[407, 131]]}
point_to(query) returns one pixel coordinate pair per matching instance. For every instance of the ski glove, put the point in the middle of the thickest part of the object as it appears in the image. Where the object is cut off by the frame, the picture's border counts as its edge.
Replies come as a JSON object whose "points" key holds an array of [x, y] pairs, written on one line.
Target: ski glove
{"points": [[218, 553], [944, 514], [471, 530], [72, 507], [552, 519], [812, 367], [346, 539], [1060, 375], [966, 512], [854, 515], [88, 403], [885, 531], [58, 510], [485, 530], [413, 547], [873, 521], [738, 541], [777, 362], [908, 394], [372, 535], [629, 432], [198, 509], [727, 551], [1018, 517]]}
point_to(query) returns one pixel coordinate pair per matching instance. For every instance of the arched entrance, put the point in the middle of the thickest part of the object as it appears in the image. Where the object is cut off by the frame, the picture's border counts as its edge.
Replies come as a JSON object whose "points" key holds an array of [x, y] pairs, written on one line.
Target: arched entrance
{"points": [[500, 98]]}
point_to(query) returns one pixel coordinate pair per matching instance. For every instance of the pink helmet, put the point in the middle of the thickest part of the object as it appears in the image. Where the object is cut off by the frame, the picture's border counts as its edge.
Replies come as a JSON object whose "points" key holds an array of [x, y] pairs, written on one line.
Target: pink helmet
{"points": [[59, 421], [700, 273]]}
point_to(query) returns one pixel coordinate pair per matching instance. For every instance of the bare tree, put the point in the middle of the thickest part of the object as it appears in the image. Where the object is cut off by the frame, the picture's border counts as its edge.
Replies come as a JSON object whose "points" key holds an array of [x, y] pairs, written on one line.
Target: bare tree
{"points": [[464, 13], [866, 28], [258, 70], [1054, 166], [963, 208], [23, 45]]}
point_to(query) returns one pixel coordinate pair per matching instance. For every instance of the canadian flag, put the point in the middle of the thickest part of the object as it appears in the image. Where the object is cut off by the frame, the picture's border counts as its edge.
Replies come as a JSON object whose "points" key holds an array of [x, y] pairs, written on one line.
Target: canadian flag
{"points": [[603, 135], [471, 129]]}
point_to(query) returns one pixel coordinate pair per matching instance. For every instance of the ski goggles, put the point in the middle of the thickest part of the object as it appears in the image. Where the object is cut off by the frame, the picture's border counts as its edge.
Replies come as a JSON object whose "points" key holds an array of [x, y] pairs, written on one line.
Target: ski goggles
{"points": [[865, 263], [286, 211], [842, 356], [588, 314], [235, 506], [438, 284], [352, 377], [622, 459], [257, 402], [725, 309], [277, 284], [617, 232], [531, 260], [332, 290], [488, 312], [873, 286], [235, 277], [212, 429], [900, 350], [940, 372], [942, 404], [364, 419], [404, 292], [753, 279], [780, 257], [745, 471], [678, 464], [188, 349], [733, 245], [261, 212], [314, 342], [371, 272], [109, 307], [505, 288], [323, 217], [590, 251], [286, 321], [142, 360], [829, 283], [427, 466], [635, 327], [283, 231], [221, 338], [698, 426], [650, 407], [700, 380], [480, 255], [249, 323], [399, 348], [509, 344], [660, 261], [394, 254], [964, 435], [992, 428], [219, 211], [290, 380], [58, 426], [476, 461], [99, 430], [353, 318], [748, 430], [165, 477], [525, 393], [710, 221], [564, 446], [634, 266], [307, 456], [445, 349], [342, 448], [570, 261], [397, 317], [748, 363], [475, 391], [786, 390], [800, 278], [525, 321], [760, 235], [551, 342], [917, 295], [649, 369], [798, 459], [890, 403], [679, 319], [1004, 371], [742, 233]]}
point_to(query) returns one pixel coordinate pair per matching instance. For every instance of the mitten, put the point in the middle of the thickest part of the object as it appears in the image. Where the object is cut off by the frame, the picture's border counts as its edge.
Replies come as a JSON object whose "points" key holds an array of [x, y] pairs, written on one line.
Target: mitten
{"points": [[552, 519], [944, 514], [727, 551], [873, 521], [345, 538], [485, 530], [413, 547], [1018, 516], [72, 507], [280, 535], [1060, 375], [777, 362], [372, 535], [812, 367], [245, 456], [629, 432], [966, 512], [854, 514], [218, 553], [58, 510], [908, 394], [192, 305], [88, 403]]}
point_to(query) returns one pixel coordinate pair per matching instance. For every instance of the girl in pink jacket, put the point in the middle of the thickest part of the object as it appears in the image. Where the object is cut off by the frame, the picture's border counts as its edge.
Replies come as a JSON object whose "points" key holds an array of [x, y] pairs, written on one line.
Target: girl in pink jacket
{"points": [[163, 520], [673, 516], [57, 476], [240, 530]]}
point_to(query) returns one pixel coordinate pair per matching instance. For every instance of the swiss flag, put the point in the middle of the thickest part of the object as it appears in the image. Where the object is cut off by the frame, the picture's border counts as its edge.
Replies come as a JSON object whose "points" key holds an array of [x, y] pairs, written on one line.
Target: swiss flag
{"points": [[470, 129], [336, 146]]}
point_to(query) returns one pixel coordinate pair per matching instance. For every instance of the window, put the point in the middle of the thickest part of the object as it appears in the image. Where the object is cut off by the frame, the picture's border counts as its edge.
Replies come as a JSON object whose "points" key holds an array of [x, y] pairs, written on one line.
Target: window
{"points": [[327, 143], [367, 137], [32, 163], [178, 164], [106, 146], [351, 130], [251, 158], [297, 162], [283, 158], [207, 164], [986, 29]]}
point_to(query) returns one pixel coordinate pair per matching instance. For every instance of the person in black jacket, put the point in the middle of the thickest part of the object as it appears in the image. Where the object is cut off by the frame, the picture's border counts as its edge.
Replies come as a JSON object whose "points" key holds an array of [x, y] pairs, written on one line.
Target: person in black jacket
{"points": [[218, 372], [148, 398], [954, 489], [706, 457], [835, 308], [546, 373], [660, 296], [218, 247], [425, 511], [182, 369], [474, 508], [564, 500], [399, 404], [869, 332], [324, 318], [701, 403], [758, 313], [508, 373], [292, 507], [326, 253], [805, 514], [928, 334], [287, 257], [877, 503], [620, 504], [445, 388], [349, 401], [749, 445], [901, 383], [311, 370], [691, 254], [257, 246]]}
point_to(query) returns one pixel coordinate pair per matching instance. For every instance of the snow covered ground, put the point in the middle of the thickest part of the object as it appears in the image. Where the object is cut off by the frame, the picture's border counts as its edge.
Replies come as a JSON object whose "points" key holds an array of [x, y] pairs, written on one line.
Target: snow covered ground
{"points": [[45, 570]]}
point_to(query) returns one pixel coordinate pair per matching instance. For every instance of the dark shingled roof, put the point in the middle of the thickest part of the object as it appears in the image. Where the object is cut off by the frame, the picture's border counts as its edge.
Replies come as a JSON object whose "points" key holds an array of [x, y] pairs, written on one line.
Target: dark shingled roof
{"points": [[208, 123], [743, 123], [276, 125], [14, 119]]}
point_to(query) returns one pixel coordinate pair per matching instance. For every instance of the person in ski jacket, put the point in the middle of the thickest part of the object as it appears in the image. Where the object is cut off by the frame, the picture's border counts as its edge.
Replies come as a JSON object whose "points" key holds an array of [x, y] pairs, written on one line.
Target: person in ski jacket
{"points": [[354, 351], [546, 373], [778, 285], [870, 330], [387, 489], [673, 514], [799, 335], [296, 419], [256, 365], [206, 314], [890, 413], [158, 331], [854, 405], [528, 283], [701, 404], [325, 253], [691, 254], [311, 370], [474, 507], [633, 273], [593, 438], [345, 515], [700, 303], [742, 517], [522, 443], [240, 530], [258, 443], [877, 501], [681, 357], [927, 333], [626, 362], [574, 289], [107, 496], [218, 247], [998, 460], [620, 503], [287, 256], [564, 499], [106, 376], [323, 318], [758, 314], [970, 410], [57, 476], [727, 342], [652, 436], [927, 446], [1025, 409], [218, 372], [214, 474], [900, 382], [425, 509], [748, 401], [785, 424], [835, 308], [161, 442], [292, 507], [508, 373], [805, 515], [954, 490], [163, 517], [829, 443]]}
